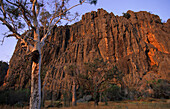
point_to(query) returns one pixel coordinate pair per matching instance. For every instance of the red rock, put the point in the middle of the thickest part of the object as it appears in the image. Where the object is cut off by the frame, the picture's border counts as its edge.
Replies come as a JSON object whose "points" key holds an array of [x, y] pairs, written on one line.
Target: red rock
{"points": [[136, 45]]}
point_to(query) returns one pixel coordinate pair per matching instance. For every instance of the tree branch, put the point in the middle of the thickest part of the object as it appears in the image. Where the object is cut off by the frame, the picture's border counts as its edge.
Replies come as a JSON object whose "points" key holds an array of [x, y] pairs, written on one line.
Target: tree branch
{"points": [[62, 12], [51, 20], [16, 34], [70, 20], [26, 42], [10, 27], [3, 39], [24, 12], [11, 3], [2, 5], [38, 9], [33, 7], [48, 31], [11, 20]]}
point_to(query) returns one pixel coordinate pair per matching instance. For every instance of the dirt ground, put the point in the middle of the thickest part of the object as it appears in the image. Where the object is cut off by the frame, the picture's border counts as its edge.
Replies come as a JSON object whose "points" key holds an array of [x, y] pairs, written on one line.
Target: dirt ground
{"points": [[143, 104]]}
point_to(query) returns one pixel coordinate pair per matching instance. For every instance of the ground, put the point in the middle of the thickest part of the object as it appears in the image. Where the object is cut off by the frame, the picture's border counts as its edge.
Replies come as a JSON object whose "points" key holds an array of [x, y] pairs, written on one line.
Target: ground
{"points": [[144, 104]]}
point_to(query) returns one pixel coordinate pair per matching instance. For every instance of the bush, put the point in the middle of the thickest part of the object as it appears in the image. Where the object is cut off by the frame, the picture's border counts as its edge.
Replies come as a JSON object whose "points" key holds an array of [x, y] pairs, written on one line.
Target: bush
{"points": [[113, 93], [126, 15], [15, 97], [161, 88], [3, 71], [55, 104]]}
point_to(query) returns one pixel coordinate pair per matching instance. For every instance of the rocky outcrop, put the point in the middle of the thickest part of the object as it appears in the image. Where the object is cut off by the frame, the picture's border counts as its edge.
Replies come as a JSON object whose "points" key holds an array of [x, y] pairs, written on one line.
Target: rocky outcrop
{"points": [[138, 45], [85, 98]]}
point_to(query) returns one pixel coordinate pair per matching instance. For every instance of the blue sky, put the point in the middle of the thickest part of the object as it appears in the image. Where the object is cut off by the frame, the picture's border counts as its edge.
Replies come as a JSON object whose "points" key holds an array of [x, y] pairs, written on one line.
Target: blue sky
{"points": [[158, 7]]}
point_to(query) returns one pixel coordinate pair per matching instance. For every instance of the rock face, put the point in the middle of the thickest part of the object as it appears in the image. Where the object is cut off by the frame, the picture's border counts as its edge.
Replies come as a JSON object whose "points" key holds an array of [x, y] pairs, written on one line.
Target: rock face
{"points": [[138, 45]]}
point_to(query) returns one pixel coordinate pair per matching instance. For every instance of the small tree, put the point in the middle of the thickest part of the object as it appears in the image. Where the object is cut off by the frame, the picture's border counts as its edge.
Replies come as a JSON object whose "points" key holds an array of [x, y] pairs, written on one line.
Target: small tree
{"points": [[34, 16], [72, 73], [97, 76], [126, 15], [3, 71]]}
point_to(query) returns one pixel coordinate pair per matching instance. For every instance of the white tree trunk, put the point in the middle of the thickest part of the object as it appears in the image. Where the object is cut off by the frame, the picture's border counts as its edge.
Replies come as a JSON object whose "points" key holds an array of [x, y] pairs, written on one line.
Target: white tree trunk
{"points": [[43, 89], [74, 101], [35, 99], [43, 98]]}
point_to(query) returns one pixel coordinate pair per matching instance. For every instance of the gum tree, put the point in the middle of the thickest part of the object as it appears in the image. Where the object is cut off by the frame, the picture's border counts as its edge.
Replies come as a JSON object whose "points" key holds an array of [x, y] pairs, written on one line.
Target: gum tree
{"points": [[72, 73], [97, 76], [26, 17]]}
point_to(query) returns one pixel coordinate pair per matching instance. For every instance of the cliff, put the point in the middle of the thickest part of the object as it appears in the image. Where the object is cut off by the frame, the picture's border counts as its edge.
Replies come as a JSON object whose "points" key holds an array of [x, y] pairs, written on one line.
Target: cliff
{"points": [[137, 43]]}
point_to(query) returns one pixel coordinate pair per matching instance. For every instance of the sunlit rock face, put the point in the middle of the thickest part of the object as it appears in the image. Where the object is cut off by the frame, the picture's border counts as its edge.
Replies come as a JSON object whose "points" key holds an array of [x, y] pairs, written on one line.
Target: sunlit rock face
{"points": [[138, 45]]}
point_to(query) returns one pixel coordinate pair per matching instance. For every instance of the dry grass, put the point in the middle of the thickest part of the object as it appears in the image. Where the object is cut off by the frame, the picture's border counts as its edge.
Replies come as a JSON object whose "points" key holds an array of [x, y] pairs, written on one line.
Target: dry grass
{"points": [[116, 105], [156, 104], [12, 107]]}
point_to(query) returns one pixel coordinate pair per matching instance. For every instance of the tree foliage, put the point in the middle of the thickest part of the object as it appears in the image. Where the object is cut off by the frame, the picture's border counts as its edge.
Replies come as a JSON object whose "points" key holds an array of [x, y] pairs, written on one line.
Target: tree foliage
{"points": [[26, 17], [98, 75], [20, 15], [3, 71], [13, 97], [126, 15]]}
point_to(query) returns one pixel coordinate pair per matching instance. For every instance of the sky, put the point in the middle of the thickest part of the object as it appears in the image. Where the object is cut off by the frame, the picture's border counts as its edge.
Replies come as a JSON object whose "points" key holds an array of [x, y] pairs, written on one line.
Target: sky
{"points": [[158, 7]]}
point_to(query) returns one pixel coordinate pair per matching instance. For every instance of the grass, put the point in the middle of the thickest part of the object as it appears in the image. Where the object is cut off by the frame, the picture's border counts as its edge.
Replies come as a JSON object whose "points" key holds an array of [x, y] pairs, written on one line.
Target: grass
{"points": [[156, 104], [115, 105], [12, 107]]}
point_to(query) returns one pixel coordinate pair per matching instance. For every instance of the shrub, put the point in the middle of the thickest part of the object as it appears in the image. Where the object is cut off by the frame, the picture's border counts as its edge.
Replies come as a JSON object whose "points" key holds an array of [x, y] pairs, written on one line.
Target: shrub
{"points": [[126, 15], [3, 71], [113, 93], [140, 98], [161, 88], [15, 97]]}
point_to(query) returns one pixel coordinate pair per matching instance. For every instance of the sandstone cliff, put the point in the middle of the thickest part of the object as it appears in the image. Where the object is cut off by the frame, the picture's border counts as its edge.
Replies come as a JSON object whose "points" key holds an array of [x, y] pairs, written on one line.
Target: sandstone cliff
{"points": [[139, 45]]}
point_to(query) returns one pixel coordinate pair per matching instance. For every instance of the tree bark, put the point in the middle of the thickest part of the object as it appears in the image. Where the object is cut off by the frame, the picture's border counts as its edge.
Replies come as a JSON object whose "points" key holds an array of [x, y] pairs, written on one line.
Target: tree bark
{"points": [[96, 100], [52, 97], [43, 90], [105, 99], [74, 101], [43, 98], [35, 99], [65, 98], [96, 96]]}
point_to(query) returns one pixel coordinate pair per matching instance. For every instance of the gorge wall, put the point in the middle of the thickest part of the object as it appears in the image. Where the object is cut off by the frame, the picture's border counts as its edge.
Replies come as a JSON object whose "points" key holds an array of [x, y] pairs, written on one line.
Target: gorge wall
{"points": [[138, 45]]}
